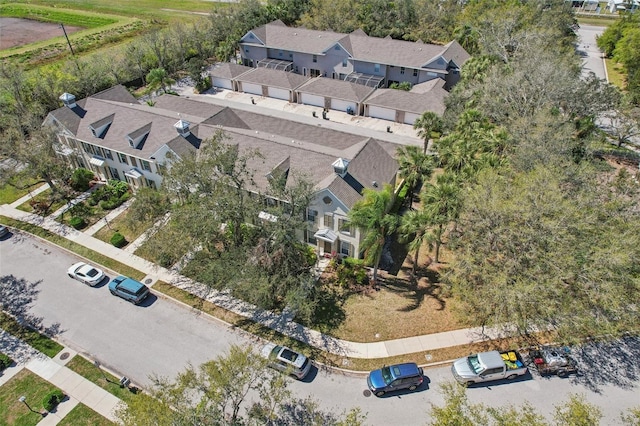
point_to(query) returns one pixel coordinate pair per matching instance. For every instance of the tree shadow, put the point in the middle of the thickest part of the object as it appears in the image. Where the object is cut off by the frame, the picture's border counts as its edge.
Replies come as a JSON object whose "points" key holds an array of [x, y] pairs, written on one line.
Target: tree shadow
{"points": [[612, 362], [395, 254], [416, 290]]}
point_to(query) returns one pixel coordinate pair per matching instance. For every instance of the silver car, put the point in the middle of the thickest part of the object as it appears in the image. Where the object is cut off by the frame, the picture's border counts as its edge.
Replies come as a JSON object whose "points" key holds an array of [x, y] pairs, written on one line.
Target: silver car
{"points": [[86, 274], [286, 360]]}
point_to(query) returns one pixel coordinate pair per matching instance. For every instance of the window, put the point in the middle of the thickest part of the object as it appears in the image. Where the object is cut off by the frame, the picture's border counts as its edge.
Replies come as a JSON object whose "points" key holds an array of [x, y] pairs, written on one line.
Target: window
{"points": [[401, 70], [122, 158], [251, 36], [133, 162], [345, 248], [312, 215], [107, 153], [337, 47], [145, 165], [314, 73], [296, 70], [291, 55], [315, 58], [114, 173], [280, 53], [376, 68], [151, 183], [344, 62], [415, 73], [328, 221], [309, 237], [345, 227], [246, 50]]}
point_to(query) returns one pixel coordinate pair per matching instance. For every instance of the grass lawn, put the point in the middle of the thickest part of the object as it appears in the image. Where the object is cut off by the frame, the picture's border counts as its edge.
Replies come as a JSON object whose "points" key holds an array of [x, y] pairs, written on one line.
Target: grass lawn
{"points": [[94, 256], [14, 412], [35, 339], [89, 371], [326, 358], [20, 188], [43, 196], [119, 224], [615, 74], [82, 415]]}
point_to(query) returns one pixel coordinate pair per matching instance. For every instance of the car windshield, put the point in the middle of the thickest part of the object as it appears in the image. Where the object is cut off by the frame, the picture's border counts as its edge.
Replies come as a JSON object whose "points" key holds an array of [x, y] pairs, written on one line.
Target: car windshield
{"points": [[474, 363], [92, 273], [386, 375], [141, 290]]}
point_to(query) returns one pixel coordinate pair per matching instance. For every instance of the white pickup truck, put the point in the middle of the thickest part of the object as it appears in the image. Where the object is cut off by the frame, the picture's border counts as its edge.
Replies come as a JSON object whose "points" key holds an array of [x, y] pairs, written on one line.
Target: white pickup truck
{"points": [[487, 366]]}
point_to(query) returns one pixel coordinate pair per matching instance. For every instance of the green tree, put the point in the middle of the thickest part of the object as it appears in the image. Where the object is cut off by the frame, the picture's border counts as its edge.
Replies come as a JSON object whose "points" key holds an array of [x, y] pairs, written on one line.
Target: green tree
{"points": [[372, 215], [577, 412], [441, 205], [427, 124], [413, 229], [158, 80], [414, 166]]}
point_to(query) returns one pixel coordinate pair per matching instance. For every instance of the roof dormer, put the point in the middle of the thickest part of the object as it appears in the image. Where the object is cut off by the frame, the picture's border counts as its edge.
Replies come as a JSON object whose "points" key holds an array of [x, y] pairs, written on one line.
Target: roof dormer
{"points": [[99, 128], [340, 166], [137, 137], [68, 100], [182, 126]]}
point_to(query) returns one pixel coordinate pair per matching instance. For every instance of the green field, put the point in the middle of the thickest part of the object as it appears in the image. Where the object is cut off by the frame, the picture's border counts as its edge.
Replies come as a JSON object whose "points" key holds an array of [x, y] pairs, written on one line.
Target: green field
{"points": [[56, 15]]}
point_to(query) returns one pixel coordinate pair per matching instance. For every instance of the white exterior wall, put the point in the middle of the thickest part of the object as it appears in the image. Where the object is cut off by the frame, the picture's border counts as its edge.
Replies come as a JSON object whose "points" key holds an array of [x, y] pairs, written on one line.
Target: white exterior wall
{"points": [[224, 83], [342, 105], [252, 88], [410, 117], [383, 113], [309, 99], [277, 93]]}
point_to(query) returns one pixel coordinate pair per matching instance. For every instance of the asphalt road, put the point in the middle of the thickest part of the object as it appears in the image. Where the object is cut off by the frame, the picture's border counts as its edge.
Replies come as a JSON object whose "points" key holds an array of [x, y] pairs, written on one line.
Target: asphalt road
{"points": [[591, 56], [161, 337]]}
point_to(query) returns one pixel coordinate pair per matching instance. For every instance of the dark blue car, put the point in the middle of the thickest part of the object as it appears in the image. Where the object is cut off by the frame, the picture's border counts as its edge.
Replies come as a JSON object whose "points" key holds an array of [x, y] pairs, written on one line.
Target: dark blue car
{"points": [[129, 289], [395, 377]]}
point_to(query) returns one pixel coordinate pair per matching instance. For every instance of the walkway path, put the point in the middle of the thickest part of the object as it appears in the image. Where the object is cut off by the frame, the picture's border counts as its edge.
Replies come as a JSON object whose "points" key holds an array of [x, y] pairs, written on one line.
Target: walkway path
{"points": [[77, 388], [277, 322]]}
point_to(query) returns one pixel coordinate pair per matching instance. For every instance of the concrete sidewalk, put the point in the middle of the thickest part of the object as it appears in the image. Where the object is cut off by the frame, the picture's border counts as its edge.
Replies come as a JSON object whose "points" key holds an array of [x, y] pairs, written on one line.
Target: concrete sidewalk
{"points": [[75, 387], [280, 323]]}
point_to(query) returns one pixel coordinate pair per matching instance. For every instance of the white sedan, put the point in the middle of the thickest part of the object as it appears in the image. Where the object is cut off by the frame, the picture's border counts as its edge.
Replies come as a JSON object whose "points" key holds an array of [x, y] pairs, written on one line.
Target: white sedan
{"points": [[86, 273]]}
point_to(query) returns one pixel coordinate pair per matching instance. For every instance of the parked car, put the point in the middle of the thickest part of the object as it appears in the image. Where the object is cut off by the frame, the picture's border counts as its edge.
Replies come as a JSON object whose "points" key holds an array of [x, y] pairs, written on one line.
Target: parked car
{"points": [[488, 366], [395, 377], [86, 273], [286, 360], [129, 289], [3, 230]]}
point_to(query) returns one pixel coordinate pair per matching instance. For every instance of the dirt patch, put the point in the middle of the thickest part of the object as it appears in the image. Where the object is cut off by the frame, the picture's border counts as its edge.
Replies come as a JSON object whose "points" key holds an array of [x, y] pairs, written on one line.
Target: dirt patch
{"points": [[19, 32]]}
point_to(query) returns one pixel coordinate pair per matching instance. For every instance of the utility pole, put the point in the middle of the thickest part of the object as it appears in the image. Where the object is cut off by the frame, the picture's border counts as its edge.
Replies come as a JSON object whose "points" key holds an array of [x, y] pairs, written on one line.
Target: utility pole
{"points": [[67, 37]]}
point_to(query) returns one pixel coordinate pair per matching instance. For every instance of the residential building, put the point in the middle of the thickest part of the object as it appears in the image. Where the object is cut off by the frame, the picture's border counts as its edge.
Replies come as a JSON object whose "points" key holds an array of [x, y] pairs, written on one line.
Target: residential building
{"points": [[116, 137], [354, 57]]}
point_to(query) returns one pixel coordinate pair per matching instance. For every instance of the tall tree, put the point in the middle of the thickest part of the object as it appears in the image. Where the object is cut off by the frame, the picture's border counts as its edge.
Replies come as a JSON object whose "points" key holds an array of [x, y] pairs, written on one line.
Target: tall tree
{"points": [[413, 229], [414, 166], [427, 124], [372, 215]]}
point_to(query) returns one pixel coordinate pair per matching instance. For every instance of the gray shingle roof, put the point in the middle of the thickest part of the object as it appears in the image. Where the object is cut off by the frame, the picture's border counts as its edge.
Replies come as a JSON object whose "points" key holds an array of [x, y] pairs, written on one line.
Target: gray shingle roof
{"points": [[305, 149], [407, 101], [228, 70], [361, 47], [337, 89], [273, 78]]}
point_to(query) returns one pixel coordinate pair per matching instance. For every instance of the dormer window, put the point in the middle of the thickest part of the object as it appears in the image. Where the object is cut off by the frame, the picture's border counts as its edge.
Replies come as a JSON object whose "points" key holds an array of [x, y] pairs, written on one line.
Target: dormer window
{"points": [[136, 138], [100, 127], [340, 166]]}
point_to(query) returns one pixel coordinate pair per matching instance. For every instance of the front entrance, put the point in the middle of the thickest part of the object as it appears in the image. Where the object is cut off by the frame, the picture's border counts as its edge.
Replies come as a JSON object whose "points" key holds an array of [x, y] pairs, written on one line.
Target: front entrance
{"points": [[327, 247]]}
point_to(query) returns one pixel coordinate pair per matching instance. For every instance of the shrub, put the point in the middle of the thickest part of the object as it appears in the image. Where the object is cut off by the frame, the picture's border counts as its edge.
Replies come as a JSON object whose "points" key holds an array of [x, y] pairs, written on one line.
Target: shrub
{"points": [[52, 399], [166, 260], [77, 222], [118, 240], [80, 179], [5, 361]]}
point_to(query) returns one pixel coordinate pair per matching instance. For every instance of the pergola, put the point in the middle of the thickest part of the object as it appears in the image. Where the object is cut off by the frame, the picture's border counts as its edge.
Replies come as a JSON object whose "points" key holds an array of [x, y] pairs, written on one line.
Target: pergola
{"points": [[275, 64], [365, 79]]}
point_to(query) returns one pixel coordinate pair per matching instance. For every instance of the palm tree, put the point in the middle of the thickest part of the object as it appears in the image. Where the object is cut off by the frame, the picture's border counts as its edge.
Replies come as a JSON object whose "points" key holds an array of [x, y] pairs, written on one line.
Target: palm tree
{"points": [[426, 124], [414, 227], [414, 166], [441, 203], [158, 79], [372, 216]]}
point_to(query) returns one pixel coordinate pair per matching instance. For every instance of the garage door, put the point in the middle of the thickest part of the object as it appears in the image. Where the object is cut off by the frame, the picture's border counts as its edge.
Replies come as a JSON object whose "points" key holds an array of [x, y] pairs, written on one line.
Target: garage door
{"points": [[384, 113], [255, 89], [224, 83], [278, 93], [410, 118], [340, 105], [315, 100]]}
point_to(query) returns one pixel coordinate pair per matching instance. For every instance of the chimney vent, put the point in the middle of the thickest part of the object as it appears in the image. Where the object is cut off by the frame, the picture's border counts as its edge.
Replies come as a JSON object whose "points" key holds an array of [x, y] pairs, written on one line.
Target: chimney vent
{"points": [[182, 127], [340, 166], [68, 100]]}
